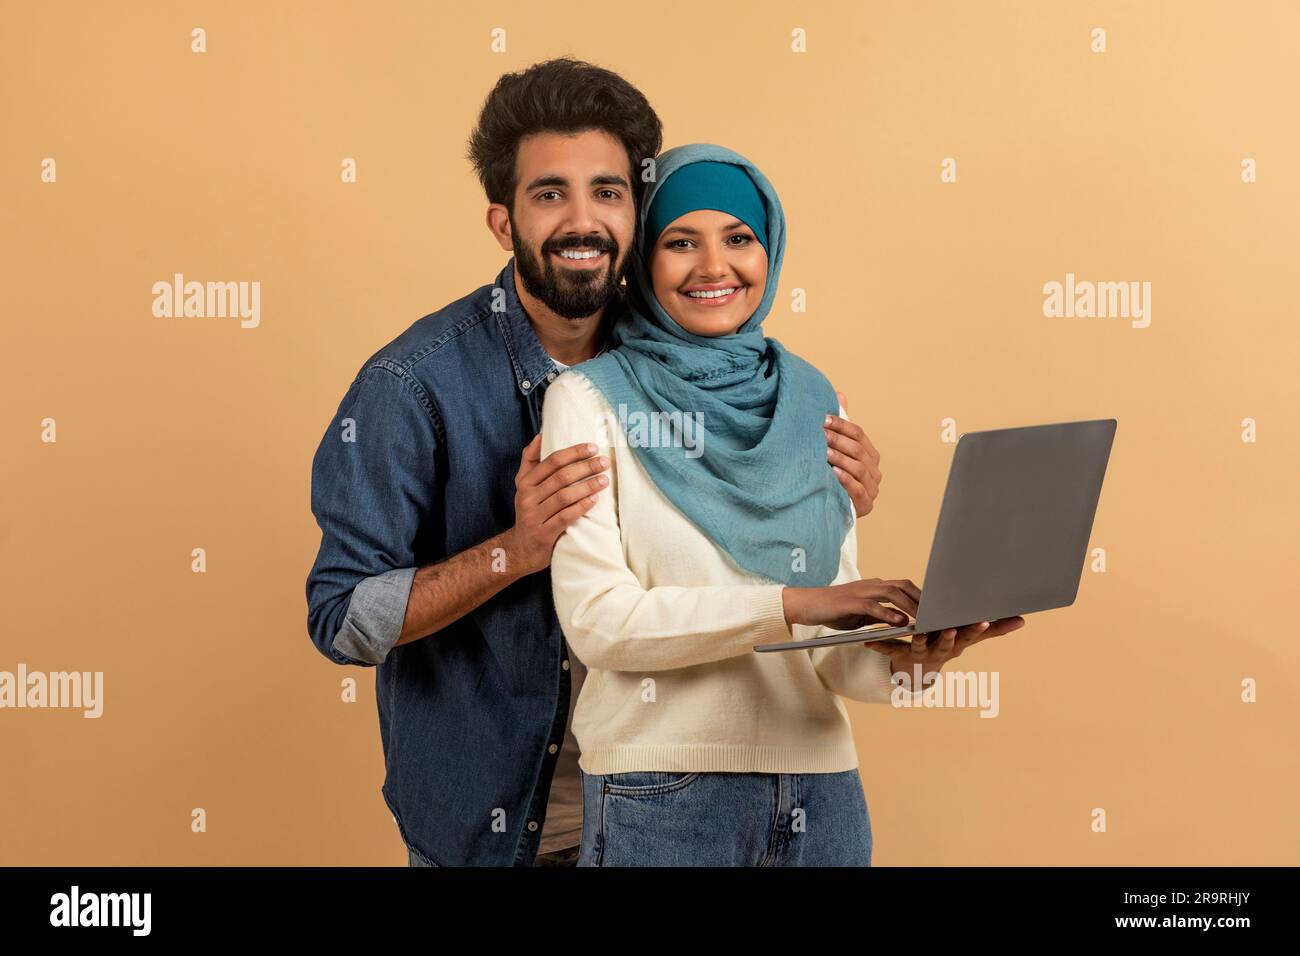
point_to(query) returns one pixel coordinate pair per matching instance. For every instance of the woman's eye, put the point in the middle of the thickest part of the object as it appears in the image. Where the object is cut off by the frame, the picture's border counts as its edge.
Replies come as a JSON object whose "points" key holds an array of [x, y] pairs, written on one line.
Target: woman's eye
{"points": [[744, 240]]}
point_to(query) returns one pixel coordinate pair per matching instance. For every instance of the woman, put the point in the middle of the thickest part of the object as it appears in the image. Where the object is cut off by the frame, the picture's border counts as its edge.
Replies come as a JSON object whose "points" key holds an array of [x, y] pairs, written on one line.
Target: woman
{"points": [[721, 528]]}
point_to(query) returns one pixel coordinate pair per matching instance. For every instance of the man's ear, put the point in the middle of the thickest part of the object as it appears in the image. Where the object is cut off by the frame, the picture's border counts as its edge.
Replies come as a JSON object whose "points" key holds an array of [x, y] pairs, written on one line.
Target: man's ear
{"points": [[498, 223]]}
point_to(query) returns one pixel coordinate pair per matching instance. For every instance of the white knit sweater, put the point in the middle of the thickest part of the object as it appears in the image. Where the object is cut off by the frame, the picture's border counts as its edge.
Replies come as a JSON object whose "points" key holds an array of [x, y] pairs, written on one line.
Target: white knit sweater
{"points": [[665, 622]]}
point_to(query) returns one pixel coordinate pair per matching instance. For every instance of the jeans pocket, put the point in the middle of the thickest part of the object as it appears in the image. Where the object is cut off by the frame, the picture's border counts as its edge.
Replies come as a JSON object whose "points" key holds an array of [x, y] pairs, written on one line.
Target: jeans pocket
{"points": [[648, 783], [655, 817]]}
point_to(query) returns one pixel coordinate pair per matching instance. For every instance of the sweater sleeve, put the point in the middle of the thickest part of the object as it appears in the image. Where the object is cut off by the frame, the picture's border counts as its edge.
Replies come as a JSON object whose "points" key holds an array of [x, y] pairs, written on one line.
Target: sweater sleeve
{"points": [[850, 670], [608, 618]]}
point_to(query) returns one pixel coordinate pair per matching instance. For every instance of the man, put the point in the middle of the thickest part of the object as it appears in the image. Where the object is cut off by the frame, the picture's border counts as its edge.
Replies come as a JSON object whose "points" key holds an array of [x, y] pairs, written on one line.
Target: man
{"points": [[437, 534]]}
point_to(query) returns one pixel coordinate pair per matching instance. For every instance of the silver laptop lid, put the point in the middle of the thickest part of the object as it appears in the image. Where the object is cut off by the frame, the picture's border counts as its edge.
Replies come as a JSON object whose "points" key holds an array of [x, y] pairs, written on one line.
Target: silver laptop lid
{"points": [[1013, 528]]}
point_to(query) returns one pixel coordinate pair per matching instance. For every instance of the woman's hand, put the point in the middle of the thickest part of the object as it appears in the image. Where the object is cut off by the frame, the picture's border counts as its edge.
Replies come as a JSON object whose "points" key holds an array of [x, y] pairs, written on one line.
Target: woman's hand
{"points": [[854, 460], [931, 651], [846, 607]]}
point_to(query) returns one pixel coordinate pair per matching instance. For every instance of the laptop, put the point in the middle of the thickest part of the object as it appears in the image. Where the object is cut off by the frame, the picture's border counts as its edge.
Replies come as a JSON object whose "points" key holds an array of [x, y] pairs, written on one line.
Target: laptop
{"points": [[1013, 529]]}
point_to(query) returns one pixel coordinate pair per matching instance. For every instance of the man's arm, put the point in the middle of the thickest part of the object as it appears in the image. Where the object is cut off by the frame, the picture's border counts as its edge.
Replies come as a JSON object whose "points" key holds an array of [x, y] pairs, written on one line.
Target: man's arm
{"points": [[549, 496], [444, 592], [373, 485]]}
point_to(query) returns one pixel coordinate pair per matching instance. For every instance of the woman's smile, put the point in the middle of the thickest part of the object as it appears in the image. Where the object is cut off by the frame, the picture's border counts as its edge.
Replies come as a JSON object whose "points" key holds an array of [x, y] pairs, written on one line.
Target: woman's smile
{"points": [[713, 296]]}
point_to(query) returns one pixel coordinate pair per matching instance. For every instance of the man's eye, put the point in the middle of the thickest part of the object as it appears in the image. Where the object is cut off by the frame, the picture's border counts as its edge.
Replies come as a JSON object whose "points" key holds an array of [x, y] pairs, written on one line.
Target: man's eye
{"points": [[610, 193], [549, 192]]}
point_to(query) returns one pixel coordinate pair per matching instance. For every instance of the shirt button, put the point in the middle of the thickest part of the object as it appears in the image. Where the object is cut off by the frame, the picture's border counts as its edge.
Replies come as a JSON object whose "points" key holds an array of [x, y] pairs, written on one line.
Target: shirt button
{"points": [[551, 749], [565, 664], [532, 825], [526, 384]]}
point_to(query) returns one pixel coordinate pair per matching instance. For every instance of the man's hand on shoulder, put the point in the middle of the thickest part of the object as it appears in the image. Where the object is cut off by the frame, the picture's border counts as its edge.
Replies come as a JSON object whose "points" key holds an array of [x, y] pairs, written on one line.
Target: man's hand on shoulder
{"points": [[854, 460], [550, 495]]}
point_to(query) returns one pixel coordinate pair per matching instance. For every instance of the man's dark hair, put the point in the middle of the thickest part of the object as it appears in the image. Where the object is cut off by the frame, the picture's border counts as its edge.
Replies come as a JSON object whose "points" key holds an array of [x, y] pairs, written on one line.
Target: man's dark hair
{"points": [[559, 96]]}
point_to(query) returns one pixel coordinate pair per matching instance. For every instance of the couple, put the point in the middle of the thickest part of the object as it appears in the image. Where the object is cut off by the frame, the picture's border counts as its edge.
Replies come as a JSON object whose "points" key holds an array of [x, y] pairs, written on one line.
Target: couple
{"points": [[665, 566]]}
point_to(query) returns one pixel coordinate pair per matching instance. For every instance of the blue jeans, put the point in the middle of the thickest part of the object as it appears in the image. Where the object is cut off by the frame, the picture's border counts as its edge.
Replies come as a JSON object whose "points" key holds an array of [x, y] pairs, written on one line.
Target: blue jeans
{"points": [[675, 818]]}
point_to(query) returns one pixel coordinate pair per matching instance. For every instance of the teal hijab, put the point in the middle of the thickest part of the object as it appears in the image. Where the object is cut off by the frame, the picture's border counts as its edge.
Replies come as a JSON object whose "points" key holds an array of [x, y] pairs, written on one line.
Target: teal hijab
{"points": [[740, 449]]}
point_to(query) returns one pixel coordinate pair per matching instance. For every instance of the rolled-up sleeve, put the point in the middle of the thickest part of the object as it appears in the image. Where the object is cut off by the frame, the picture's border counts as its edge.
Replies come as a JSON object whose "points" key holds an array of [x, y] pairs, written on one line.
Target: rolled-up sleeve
{"points": [[373, 483]]}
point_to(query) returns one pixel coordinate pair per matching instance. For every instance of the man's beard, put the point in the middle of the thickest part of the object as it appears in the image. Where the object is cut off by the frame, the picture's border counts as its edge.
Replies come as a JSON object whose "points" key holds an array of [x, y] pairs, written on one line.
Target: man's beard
{"points": [[571, 293]]}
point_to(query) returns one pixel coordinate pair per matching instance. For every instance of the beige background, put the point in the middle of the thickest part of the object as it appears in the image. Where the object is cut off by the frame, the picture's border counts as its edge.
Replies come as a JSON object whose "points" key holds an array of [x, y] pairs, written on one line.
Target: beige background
{"points": [[925, 303]]}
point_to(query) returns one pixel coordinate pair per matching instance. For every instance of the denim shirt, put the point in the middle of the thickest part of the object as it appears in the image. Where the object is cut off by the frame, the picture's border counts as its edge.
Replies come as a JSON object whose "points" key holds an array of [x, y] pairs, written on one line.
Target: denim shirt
{"points": [[417, 465]]}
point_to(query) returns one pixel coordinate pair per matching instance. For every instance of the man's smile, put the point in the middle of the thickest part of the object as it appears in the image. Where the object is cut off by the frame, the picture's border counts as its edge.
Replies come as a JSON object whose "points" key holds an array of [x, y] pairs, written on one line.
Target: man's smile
{"points": [[583, 259]]}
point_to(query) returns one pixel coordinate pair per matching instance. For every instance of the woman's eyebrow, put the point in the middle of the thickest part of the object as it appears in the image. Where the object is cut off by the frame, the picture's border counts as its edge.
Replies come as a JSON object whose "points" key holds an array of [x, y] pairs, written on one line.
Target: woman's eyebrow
{"points": [[735, 224]]}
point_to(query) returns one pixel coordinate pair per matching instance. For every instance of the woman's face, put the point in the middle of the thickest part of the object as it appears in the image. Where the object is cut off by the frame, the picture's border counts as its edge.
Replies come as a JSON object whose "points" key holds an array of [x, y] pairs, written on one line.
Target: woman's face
{"points": [[708, 271]]}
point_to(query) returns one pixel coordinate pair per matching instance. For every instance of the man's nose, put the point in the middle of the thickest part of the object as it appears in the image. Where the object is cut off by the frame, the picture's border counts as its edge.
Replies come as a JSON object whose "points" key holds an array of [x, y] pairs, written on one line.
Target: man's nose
{"points": [[580, 216]]}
